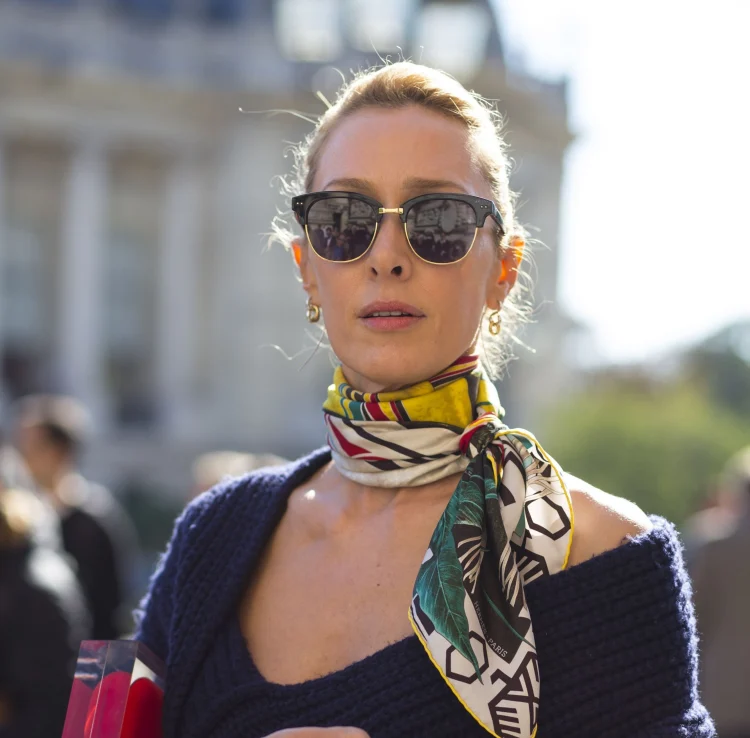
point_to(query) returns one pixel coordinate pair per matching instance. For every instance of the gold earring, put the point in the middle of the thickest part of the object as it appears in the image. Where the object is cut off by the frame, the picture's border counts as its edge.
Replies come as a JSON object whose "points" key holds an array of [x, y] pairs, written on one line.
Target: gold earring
{"points": [[495, 321], [313, 311]]}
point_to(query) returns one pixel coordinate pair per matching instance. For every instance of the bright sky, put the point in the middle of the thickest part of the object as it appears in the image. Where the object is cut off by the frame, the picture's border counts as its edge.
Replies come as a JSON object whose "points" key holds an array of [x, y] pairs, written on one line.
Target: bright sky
{"points": [[656, 205]]}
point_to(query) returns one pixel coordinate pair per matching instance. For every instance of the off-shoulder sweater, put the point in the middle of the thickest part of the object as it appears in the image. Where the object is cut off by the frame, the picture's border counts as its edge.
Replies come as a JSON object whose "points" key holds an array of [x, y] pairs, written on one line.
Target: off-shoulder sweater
{"points": [[615, 637]]}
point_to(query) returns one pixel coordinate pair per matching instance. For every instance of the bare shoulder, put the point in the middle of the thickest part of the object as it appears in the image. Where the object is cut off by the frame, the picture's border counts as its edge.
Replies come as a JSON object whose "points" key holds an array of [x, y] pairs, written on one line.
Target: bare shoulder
{"points": [[602, 521]]}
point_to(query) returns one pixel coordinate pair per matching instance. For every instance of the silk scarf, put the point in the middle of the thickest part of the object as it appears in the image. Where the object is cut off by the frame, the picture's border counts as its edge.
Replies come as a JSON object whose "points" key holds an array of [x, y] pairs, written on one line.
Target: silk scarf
{"points": [[509, 522]]}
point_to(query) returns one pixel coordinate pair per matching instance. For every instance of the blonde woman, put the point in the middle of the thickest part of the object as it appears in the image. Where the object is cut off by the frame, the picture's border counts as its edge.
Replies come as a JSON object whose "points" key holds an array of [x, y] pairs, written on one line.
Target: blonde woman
{"points": [[431, 572]]}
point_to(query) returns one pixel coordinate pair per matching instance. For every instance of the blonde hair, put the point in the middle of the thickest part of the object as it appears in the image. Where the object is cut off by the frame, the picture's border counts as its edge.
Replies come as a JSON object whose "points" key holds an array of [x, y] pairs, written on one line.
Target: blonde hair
{"points": [[401, 84]]}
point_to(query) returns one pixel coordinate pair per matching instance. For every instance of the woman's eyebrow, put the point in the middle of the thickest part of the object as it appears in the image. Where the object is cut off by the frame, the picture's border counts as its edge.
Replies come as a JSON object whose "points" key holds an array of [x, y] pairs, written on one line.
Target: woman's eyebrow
{"points": [[412, 184], [422, 184], [349, 183]]}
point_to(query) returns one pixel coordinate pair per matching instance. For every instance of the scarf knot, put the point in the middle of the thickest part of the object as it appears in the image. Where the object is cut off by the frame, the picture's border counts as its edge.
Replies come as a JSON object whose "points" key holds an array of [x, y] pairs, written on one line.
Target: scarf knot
{"points": [[479, 435]]}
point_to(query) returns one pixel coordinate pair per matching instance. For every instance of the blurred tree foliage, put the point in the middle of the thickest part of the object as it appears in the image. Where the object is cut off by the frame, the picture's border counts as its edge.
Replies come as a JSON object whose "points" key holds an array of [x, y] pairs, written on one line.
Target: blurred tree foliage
{"points": [[659, 442], [721, 365]]}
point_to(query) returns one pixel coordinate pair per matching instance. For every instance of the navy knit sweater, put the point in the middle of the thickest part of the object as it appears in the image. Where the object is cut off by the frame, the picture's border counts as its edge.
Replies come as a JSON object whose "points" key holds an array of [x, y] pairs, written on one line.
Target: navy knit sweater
{"points": [[615, 638]]}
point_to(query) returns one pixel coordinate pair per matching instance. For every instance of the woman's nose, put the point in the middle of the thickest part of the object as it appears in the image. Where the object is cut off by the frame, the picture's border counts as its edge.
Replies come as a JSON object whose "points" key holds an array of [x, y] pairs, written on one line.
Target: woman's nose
{"points": [[390, 253]]}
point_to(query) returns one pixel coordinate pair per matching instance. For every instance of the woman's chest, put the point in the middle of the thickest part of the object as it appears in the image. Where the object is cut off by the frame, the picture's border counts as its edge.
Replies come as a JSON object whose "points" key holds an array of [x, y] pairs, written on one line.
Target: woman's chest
{"points": [[315, 607]]}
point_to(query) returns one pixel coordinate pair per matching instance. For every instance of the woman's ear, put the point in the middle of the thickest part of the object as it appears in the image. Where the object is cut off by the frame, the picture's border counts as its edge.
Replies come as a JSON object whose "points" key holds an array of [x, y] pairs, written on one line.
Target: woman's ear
{"points": [[297, 253], [506, 273], [301, 255]]}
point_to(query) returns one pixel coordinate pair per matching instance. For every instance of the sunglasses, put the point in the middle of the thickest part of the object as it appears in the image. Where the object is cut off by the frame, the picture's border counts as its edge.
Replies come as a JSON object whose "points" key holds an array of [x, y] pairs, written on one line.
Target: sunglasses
{"points": [[440, 228]]}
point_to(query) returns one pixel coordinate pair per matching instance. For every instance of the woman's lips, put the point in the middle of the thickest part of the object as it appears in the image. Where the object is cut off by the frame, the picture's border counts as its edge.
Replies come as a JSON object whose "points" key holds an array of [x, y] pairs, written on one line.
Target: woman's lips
{"points": [[391, 322], [390, 315]]}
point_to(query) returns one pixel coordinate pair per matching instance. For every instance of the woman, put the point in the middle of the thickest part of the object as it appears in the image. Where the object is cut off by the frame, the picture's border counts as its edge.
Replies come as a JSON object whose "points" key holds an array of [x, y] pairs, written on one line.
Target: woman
{"points": [[409, 580]]}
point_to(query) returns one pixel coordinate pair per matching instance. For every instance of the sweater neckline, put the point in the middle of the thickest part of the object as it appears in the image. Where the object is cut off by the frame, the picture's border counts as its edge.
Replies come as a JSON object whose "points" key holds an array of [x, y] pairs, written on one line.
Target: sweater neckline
{"points": [[247, 670]]}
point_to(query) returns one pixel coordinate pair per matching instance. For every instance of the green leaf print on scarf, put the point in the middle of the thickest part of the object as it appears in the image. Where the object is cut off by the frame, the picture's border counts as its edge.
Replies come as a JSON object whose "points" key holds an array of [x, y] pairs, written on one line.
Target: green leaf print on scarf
{"points": [[440, 579], [471, 499]]}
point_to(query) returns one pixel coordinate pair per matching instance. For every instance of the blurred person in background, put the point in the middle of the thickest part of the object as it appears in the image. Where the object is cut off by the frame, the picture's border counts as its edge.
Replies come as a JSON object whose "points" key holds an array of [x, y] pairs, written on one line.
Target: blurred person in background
{"points": [[432, 572], [214, 467], [96, 531], [715, 519], [14, 474], [43, 617], [318, 236], [721, 580]]}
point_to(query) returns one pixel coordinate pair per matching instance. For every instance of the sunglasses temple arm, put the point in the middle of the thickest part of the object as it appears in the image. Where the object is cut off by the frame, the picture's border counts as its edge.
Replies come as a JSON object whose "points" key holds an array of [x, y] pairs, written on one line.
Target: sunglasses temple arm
{"points": [[498, 218]]}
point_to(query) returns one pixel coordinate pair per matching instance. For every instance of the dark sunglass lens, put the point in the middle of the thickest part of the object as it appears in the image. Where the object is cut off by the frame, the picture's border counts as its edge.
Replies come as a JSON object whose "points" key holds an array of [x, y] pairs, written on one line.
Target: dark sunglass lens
{"points": [[340, 228], [441, 230]]}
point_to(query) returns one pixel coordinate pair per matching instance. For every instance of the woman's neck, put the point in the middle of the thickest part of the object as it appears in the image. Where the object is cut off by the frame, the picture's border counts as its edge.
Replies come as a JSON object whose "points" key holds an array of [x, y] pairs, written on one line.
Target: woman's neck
{"points": [[344, 503]]}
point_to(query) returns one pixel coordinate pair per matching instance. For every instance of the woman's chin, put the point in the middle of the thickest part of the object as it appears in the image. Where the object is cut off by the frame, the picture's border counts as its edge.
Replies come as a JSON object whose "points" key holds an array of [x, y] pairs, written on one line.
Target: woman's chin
{"points": [[382, 373]]}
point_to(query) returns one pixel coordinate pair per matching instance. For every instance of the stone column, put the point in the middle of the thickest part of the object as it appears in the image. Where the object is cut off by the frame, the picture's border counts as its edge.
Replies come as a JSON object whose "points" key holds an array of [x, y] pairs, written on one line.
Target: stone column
{"points": [[82, 276], [178, 269]]}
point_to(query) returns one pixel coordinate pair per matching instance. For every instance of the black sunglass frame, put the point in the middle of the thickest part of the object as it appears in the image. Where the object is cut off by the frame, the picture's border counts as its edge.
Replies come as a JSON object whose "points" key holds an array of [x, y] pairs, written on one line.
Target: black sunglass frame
{"points": [[482, 207]]}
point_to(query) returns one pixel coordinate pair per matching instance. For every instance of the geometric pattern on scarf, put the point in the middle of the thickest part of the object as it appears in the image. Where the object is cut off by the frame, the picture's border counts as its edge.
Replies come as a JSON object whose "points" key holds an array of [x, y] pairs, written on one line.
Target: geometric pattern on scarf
{"points": [[509, 522]]}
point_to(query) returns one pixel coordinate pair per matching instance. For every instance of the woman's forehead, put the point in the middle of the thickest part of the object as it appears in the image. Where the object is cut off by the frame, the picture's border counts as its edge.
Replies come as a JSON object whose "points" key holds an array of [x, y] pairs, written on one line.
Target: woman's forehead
{"points": [[411, 150]]}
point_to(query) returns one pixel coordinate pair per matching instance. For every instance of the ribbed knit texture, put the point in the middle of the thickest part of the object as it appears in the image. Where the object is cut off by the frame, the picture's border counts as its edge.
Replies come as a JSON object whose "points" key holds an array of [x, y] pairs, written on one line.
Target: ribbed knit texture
{"points": [[615, 637]]}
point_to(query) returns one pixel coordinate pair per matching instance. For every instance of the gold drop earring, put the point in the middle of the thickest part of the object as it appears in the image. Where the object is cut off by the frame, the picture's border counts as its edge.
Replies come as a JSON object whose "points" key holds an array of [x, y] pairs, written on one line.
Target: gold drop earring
{"points": [[495, 321], [313, 311]]}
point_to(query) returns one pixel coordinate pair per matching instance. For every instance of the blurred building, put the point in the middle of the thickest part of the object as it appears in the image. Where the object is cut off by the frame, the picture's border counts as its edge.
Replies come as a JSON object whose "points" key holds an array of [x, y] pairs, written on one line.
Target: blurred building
{"points": [[134, 199]]}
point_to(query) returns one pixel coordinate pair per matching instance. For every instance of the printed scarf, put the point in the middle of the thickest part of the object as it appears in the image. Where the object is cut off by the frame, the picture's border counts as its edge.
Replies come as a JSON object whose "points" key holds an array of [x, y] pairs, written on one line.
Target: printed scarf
{"points": [[509, 522]]}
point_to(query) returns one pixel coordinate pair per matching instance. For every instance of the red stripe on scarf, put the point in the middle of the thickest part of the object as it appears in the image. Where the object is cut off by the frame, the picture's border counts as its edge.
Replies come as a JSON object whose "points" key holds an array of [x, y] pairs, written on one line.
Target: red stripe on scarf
{"points": [[448, 375], [351, 449], [458, 367], [373, 408]]}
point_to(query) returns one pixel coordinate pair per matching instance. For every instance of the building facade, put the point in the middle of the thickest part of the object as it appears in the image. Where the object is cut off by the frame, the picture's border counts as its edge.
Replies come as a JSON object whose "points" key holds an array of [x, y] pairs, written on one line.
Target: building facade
{"points": [[135, 199]]}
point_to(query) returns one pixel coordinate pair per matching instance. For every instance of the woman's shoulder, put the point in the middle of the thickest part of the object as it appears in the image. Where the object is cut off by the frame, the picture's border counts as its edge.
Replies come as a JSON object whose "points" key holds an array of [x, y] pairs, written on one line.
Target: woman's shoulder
{"points": [[621, 559], [213, 541], [236, 511], [602, 521], [616, 632], [254, 494]]}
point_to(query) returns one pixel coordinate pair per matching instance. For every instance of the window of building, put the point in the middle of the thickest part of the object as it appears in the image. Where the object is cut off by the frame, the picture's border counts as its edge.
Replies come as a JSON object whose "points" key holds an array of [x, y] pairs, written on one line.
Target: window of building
{"points": [[146, 10], [130, 288], [24, 309], [225, 12], [309, 30], [23, 285], [382, 26], [128, 330], [453, 36], [33, 183]]}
